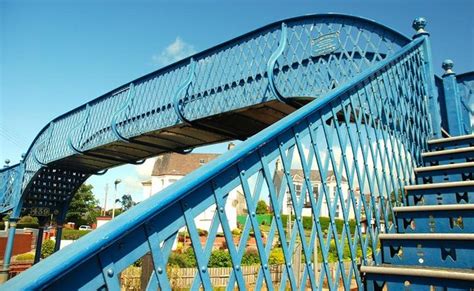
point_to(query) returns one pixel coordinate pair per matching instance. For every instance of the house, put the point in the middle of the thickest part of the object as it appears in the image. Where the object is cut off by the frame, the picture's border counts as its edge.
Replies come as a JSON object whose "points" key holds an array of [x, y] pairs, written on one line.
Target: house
{"points": [[297, 176], [171, 167]]}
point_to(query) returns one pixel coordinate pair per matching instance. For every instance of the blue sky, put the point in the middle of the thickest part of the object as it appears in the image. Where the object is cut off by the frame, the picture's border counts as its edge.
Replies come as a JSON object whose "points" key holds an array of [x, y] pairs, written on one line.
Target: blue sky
{"points": [[56, 55]]}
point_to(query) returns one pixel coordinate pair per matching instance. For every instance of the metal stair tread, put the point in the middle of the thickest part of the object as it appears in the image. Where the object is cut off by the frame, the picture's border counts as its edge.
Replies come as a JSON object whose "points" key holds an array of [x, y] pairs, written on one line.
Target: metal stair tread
{"points": [[446, 207], [442, 273], [447, 152], [440, 185], [444, 167], [426, 236], [450, 139]]}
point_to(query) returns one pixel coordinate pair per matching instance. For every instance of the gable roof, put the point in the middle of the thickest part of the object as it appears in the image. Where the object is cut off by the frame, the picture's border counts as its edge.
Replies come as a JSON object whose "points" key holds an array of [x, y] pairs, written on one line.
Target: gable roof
{"points": [[180, 165]]}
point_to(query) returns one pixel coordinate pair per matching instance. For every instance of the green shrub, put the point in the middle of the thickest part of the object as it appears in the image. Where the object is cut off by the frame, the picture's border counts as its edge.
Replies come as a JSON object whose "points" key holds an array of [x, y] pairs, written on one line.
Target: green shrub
{"points": [[262, 207], [47, 249], [220, 259], [28, 220], [276, 257], [250, 258], [25, 257], [236, 231], [182, 260]]}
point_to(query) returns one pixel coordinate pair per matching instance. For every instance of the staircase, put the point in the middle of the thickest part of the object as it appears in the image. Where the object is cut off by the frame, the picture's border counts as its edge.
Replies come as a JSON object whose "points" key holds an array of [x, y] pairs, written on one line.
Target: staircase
{"points": [[434, 246]]}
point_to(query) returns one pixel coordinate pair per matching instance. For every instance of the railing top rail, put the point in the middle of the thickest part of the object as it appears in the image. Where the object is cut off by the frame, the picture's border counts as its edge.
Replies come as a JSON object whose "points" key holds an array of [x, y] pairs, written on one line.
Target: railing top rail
{"points": [[397, 36], [466, 75], [84, 248]]}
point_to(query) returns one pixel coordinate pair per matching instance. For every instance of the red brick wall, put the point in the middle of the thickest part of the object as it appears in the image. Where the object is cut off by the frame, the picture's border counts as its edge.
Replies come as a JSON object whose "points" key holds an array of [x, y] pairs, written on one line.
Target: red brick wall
{"points": [[23, 243]]}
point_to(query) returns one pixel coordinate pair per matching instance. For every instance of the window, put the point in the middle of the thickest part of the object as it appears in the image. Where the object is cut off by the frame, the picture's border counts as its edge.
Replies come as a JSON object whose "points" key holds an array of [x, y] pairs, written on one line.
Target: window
{"points": [[298, 190], [202, 162], [316, 192]]}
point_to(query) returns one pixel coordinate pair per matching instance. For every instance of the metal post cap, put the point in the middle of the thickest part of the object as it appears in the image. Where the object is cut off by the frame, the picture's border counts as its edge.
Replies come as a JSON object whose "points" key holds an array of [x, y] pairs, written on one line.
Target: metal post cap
{"points": [[419, 25], [448, 67]]}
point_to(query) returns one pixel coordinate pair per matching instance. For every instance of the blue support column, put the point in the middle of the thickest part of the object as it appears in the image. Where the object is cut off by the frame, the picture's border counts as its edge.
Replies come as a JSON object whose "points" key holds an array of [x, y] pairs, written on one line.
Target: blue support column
{"points": [[39, 244], [12, 221], [9, 248], [452, 100], [419, 25], [59, 232]]}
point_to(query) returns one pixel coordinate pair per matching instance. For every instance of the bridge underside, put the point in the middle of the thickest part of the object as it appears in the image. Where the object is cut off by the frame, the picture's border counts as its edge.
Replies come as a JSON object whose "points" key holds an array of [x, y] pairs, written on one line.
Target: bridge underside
{"points": [[235, 125]]}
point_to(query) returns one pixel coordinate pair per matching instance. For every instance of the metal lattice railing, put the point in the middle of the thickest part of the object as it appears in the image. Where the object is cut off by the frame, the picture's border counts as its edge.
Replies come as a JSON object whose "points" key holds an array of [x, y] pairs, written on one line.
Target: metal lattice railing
{"points": [[10, 186], [368, 135]]}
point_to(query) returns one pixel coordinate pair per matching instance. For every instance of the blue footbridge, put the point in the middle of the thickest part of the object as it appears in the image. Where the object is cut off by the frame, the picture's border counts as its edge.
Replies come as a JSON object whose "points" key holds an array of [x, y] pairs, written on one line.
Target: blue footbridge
{"points": [[338, 94]]}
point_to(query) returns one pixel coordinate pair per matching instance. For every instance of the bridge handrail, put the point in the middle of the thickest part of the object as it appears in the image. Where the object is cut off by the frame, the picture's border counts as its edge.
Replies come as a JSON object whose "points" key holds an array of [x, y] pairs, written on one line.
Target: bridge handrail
{"points": [[64, 261]]}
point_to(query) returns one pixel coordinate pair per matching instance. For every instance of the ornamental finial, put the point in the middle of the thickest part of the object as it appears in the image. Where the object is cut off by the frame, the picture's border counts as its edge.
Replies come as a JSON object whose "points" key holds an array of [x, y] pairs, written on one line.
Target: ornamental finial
{"points": [[448, 67], [419, 25], [7, 161]]}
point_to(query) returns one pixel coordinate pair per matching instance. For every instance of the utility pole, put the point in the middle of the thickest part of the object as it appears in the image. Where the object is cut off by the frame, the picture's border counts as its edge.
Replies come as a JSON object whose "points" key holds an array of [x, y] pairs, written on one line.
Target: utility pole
{"points": [[105, 200]]}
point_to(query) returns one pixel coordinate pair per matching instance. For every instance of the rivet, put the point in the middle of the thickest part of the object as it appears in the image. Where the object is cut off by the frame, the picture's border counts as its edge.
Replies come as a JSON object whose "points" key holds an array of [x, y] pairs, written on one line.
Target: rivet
{"points": [[110, 272], [237, 268], [253, 213], [203, 269], [221, 209], [160, 270], [242, 172], [265, 266]]}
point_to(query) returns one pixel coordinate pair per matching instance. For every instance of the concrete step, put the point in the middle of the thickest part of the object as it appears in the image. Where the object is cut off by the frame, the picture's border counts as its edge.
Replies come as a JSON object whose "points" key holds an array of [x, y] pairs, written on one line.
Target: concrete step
{"points": [[389, 277], [451, 218], [451, 142], [451, 250], [441, 193], [449, 156], [445, 173]]}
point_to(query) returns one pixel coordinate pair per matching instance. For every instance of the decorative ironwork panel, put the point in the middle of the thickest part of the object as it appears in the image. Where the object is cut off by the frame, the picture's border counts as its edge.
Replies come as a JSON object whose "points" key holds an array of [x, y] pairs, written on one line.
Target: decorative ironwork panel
{"points": [[359, 143], [466, 92]]}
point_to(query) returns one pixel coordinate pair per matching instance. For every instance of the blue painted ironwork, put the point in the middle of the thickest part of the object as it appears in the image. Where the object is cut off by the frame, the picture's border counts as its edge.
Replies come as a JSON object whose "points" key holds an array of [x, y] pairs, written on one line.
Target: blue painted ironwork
{"points": [[453, 101], [272, 62], [350, 134], [466, 92], [178, 102], [321, 52], [419, 25]]}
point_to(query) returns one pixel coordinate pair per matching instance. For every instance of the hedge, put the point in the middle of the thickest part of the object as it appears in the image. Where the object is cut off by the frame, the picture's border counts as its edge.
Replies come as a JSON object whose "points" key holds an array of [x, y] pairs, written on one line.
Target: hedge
{"points": [[324, 221], [73, 234], [265, 219]]}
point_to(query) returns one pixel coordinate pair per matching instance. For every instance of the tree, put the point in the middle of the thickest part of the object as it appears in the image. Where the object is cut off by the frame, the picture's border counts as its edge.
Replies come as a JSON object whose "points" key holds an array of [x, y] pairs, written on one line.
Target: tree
{"points": [[262, 207], [126, 201], [82, 208]]}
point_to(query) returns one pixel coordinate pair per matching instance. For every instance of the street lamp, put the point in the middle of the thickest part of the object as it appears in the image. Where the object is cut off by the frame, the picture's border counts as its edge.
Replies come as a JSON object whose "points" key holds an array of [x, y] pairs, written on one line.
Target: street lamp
{"points": [[117, 181]]}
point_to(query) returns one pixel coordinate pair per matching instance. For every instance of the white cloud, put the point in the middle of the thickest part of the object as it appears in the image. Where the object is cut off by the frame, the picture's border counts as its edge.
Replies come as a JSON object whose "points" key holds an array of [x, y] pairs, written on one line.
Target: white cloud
{"points": [[144, 170], [177, 50]]}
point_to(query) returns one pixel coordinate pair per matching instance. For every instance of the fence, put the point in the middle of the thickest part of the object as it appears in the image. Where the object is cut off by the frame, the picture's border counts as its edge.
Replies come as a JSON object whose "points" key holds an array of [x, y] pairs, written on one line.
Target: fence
{"points": [[182, 278]]}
